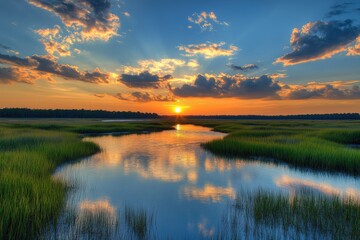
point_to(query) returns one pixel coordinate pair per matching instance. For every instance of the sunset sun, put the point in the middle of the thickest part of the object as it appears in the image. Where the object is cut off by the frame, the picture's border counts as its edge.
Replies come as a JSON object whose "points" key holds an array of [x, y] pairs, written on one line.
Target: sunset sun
{"points": [[177, 110]]}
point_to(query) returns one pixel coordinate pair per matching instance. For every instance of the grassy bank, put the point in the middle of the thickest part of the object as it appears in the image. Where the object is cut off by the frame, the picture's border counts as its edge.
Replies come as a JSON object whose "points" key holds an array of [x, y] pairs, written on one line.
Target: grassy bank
{"points": [[306, 215], [320, 145], [29, 197], [87, 125], [29, 153]]}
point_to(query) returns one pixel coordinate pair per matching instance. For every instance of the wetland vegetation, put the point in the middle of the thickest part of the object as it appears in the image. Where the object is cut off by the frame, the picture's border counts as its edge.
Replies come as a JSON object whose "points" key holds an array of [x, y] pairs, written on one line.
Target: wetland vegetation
{"points": [[29, 153], [32, 200], [320, 145]]}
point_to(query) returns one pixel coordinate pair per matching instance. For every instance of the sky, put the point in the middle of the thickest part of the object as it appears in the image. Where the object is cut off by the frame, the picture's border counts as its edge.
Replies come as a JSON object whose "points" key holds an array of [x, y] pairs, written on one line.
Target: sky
{"points": [[205, 57]]}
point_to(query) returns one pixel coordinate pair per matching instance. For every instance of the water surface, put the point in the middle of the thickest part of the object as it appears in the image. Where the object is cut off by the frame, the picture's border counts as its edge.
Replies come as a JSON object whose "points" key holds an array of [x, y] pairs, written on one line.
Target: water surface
{"points": [[186, 187]]}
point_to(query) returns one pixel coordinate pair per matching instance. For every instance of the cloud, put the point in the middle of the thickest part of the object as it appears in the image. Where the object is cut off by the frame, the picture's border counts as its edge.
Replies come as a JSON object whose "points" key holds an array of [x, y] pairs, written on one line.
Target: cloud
{"points": [[205, 21], [4, 47], [8, 49], [209, 193], [38, 66], [327, 91], [53, 41], [15, 60], [9, 75], [339, 9], [226, 86], [145, 97], [90, 18], [319, 40], [355, 49], [143, 80], [91, 210], [77, 51], [244, 68], [208, 50], [163, 66], [266, 87]]}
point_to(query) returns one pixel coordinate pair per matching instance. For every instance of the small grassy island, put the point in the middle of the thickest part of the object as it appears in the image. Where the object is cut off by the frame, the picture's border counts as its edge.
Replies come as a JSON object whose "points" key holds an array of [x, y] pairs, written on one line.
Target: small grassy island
{"points": [[319, 145]]}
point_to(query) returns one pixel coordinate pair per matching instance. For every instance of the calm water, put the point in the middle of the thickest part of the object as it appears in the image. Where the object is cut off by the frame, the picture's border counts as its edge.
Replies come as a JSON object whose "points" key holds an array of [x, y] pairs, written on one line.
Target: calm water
{"points": [[186, 187]]}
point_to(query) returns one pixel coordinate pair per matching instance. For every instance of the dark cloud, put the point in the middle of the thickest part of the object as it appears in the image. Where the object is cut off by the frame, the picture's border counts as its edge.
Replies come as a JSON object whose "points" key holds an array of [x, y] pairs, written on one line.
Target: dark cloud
{"points": [[14, 60], [92, 16], [338, 9], [99, 95], [145, 97], [320, 40], [230, 86], [325, 92], [35, 65], [333, 13], [244, 68], [143, 80], [4, 47], [9, 75]]}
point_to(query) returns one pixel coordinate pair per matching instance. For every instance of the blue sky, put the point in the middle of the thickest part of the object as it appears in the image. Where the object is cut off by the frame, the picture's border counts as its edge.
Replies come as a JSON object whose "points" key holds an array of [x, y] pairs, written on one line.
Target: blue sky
{"points": [[119, 40]]}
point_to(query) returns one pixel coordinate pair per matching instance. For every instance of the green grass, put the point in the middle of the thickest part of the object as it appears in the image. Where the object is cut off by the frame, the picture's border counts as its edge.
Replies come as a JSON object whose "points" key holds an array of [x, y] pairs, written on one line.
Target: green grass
{"points": [[306, 215], [88, 126], [320, 145], [29, 198], [29, 153]]}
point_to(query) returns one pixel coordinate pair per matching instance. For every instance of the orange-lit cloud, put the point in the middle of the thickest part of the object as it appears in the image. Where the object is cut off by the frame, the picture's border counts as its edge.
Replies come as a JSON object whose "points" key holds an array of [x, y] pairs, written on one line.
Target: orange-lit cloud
{"points": [[145, 97], [209, 193], [329, 90], [208, 50], [40, 66], [295, 184], [92, 20], [10, 75], [355, 49], [206, 21], [53, 41], [163, 66], [91, 210], [206, 232], [320, 40]]}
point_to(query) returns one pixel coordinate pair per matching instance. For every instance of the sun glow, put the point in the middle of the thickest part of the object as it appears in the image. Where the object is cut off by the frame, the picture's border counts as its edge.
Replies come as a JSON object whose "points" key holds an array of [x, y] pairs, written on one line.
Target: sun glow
{"points": [[177, 110]]}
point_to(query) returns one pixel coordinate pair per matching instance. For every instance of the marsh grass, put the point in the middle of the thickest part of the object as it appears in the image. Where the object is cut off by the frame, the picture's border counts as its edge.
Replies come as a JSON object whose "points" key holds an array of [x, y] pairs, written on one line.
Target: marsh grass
{"points": [[322, 146], [139, 221], [30, 150], [101, 224], [89, 126], [267, 215], [29, 198]]}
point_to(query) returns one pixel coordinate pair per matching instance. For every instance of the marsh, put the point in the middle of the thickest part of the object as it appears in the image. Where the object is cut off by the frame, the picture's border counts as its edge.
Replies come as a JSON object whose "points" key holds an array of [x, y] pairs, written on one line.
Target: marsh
{"points": [[185, 188]]}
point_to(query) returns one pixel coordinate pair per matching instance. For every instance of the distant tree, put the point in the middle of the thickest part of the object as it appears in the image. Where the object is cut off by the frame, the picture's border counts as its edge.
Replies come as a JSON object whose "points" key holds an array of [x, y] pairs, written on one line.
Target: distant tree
{"points": [[71, 113], [330, 116]]}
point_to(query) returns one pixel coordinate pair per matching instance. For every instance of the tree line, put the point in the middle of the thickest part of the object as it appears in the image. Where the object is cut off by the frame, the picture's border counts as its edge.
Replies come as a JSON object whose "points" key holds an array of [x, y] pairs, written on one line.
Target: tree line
{"points": [[70, 113], [330, 116], [82, 113]]}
